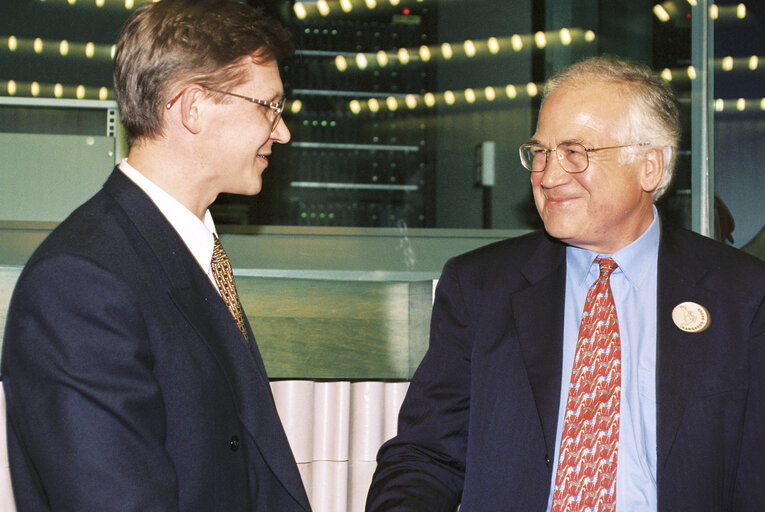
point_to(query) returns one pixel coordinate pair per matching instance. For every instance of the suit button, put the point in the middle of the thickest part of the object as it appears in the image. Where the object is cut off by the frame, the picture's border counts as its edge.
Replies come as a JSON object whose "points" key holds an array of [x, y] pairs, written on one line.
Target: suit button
{"points": [[234, 443]]}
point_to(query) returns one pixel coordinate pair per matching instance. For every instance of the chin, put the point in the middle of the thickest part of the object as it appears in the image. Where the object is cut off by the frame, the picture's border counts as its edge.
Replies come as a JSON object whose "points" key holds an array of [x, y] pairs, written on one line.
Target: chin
{"points": [[558, 230]]}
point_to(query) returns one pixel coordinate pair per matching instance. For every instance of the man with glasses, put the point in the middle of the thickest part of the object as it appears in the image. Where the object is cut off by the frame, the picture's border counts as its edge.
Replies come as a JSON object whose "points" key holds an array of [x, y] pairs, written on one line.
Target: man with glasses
{"points": [[612, 362], [133, 379]]}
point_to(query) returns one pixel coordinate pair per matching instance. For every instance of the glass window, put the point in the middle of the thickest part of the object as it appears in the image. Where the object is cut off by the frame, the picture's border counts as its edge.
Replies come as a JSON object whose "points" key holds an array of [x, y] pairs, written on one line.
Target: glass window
{"points": [[410, 112]]}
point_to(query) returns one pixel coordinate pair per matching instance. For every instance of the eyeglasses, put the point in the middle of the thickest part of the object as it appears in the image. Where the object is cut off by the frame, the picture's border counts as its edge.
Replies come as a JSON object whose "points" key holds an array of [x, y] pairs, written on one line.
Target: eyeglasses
{"points": [[275, 112], [572, 156]]}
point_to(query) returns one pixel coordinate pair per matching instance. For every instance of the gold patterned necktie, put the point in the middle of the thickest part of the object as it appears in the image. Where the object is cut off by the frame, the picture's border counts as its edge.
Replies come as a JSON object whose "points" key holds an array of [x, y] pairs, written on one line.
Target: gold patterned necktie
{"points": [[586, 475], [224, 277]]}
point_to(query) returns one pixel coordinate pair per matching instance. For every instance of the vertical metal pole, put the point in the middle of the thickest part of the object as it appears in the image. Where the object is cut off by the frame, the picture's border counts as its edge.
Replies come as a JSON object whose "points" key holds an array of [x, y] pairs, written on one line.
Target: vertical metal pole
{"points": [[702, 120]]}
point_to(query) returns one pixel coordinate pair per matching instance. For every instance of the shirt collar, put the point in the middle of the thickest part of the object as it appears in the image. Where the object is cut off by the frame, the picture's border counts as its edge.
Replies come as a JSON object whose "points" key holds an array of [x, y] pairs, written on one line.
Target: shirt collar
{"points": [[632, 259], [196, 234]]}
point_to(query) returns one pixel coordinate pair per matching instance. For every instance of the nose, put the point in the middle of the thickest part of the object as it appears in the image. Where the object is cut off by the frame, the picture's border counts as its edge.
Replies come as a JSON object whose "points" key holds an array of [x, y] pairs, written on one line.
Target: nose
{"points": [[553, 173], [281, 133]]}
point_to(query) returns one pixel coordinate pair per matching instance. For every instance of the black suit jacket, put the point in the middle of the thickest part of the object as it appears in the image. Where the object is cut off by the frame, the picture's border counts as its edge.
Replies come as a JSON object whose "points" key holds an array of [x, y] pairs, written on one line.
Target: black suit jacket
{"points": [[128, 384], [479, 422]]}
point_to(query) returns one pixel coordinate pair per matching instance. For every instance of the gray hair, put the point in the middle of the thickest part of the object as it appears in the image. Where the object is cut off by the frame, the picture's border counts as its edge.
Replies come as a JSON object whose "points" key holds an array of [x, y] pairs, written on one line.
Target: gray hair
{"points": [[653, 115]]}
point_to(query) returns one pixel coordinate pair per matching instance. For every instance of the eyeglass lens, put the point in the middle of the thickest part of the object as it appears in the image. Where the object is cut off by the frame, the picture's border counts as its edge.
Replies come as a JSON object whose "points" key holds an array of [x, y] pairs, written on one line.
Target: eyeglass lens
{"points": [[572, 156]]}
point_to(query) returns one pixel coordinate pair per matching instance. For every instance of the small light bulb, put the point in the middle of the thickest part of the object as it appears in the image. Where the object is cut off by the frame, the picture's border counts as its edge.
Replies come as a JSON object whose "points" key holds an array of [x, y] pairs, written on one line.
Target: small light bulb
{"points": [[516, 42], [661, 13], [469, 48], [540, 39], [565, 36], [300, 11], [446, 51], [361, 61], [493, 44], [425, 53], [403, 56]]}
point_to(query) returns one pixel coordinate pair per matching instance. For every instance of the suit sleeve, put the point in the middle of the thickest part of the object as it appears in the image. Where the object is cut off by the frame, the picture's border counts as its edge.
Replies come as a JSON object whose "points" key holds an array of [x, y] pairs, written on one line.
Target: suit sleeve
{"points": [[750, 482], [86, 419], [422, 468]]}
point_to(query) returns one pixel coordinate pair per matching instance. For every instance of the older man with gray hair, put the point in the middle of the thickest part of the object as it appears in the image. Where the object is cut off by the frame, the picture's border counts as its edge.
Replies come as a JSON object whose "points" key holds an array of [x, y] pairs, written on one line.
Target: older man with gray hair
{"points": [[611, 362]]}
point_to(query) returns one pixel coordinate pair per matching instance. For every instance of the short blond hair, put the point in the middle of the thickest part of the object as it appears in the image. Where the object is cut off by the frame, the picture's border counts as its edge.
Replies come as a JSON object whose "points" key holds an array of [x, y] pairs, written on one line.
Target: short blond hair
{"points": [[167, 45]]}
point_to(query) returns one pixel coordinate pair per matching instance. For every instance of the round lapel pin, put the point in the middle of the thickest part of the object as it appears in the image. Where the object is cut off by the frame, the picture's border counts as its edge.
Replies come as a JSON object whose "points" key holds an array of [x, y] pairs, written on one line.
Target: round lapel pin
{"points": [[690, 317]]}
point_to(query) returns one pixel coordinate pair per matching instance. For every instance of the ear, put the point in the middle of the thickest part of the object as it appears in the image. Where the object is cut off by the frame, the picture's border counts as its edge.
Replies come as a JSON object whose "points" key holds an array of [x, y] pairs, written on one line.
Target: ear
{"points": [[190, 107], [652, 169]]}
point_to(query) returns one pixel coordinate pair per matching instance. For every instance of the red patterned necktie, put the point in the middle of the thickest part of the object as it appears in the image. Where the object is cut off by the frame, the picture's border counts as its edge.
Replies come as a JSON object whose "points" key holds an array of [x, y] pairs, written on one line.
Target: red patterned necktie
{"points": [[586, 476], [224, 277]]}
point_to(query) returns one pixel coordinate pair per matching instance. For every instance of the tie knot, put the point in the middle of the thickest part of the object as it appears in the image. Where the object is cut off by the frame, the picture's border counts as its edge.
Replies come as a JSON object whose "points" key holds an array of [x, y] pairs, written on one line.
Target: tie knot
{"points": [[607, 265]]}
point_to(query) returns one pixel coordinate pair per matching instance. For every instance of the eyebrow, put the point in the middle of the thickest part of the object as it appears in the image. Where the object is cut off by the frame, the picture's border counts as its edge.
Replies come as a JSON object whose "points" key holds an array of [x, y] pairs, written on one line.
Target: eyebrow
{"points": [[277, 97], [566, 141]]}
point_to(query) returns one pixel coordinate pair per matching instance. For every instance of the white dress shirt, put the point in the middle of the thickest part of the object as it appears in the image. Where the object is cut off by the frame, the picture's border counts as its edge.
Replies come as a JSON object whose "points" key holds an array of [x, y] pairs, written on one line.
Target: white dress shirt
{"points": [[198, 235]]}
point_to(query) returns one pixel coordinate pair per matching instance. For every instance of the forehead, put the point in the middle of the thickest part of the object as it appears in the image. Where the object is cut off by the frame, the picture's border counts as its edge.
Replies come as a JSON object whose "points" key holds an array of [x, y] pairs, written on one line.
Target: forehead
{"points": [[593, 111], [263, 77]]}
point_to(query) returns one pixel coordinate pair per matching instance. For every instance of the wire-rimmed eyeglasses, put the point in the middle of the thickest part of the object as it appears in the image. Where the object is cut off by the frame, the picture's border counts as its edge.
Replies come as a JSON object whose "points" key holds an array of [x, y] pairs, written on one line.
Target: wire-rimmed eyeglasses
{"points": [[275, 112], [275, 109], [572, 156]]}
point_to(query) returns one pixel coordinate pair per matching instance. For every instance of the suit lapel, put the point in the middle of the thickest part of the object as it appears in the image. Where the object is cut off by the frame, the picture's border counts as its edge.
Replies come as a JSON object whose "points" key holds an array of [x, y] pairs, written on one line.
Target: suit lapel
{"points": [[538, 312], [202, 307], [679, 354]]}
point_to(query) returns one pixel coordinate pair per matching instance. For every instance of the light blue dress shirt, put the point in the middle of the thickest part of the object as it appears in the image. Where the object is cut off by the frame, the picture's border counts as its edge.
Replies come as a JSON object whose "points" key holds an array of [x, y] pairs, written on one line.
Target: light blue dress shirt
{"points": [[633, 285]]}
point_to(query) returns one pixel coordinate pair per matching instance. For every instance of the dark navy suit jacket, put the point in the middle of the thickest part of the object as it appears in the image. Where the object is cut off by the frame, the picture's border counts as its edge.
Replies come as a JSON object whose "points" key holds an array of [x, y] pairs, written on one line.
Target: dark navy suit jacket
{"points": [[480, 418], [128, 384]]}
